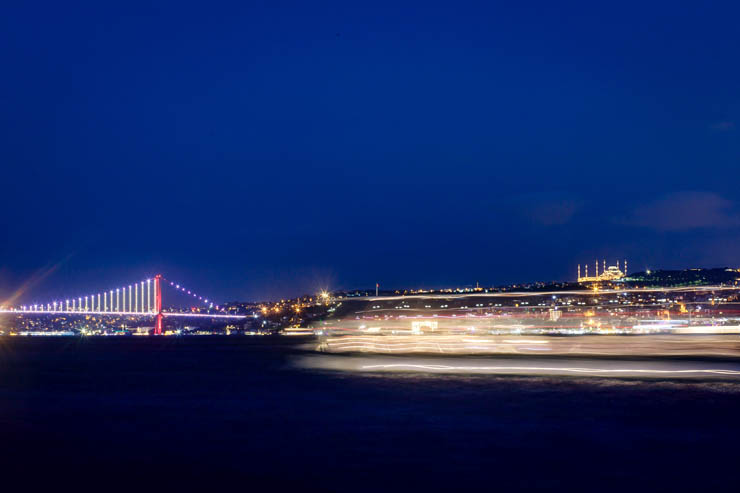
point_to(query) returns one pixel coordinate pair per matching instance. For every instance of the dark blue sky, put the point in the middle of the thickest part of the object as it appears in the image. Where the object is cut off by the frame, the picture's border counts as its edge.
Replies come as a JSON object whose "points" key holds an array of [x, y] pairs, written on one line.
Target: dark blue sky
{"points": [[259, 150]]}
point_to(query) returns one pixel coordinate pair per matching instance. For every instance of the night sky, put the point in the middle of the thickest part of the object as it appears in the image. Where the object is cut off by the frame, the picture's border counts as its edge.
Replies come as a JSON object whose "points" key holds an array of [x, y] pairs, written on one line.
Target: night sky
{"points": [[255, 150]]}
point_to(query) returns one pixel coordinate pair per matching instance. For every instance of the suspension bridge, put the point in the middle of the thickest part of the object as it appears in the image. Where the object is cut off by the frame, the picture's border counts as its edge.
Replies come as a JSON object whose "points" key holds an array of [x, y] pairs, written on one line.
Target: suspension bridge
{"points": [[141, 299]]}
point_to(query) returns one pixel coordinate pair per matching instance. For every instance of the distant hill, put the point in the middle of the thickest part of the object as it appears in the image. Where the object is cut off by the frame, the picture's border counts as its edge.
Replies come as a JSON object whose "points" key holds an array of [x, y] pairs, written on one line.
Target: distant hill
{"points": [[686, 277]]}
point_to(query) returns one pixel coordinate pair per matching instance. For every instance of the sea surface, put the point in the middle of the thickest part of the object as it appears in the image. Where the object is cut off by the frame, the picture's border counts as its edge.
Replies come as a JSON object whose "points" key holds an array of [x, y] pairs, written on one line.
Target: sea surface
{"points": [[250, 414]]}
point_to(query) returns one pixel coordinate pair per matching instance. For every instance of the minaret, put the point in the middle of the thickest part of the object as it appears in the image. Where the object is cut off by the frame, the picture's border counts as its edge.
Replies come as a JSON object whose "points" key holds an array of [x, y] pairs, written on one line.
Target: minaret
{"points": [[586, 270], [625, 267], [579, 272], [604, 269], [597, 269]]}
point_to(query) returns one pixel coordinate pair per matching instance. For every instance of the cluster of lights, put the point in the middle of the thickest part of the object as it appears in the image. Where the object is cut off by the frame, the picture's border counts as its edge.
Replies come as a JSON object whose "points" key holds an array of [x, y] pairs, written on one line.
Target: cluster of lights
{"points": [[134, 298], [188, 292]]}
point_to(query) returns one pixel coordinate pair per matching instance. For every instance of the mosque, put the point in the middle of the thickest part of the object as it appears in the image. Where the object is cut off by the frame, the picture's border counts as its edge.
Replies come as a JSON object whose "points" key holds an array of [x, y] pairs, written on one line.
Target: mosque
{"points": [[610, 273]]}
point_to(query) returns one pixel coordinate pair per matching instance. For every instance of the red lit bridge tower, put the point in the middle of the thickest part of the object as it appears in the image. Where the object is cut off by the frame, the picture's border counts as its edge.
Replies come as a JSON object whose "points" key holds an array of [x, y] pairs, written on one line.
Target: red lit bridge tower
{"points": [[158, 304], [133, 301]]}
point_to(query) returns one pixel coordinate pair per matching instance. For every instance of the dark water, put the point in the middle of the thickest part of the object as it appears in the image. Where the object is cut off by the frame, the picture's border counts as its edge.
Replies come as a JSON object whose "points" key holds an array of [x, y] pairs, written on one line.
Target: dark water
{"points": [[237, 414]]}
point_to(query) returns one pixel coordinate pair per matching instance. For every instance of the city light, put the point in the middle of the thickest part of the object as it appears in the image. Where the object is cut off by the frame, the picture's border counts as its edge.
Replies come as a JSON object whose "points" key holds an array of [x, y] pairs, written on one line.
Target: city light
{"points": [[126, 303], [451, 320]]}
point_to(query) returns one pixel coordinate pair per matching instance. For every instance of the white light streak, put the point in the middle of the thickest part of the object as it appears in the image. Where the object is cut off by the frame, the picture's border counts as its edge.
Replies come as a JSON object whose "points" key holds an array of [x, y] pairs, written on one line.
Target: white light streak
{"points": [[546, 369]]}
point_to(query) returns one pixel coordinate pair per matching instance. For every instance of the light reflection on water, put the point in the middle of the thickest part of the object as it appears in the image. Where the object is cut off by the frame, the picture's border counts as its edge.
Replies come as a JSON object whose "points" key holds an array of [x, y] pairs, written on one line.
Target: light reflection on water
{"points": [[556, 367]]}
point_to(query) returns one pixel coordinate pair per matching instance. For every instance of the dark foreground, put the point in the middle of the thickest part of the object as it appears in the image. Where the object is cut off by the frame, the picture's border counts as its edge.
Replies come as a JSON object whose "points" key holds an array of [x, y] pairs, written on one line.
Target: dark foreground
{"points": [[235, 413]]}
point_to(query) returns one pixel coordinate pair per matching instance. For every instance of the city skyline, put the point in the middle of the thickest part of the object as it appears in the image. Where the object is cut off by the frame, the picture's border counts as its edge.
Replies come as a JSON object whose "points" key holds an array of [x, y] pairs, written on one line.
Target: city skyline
{"points": [[145, 296]]}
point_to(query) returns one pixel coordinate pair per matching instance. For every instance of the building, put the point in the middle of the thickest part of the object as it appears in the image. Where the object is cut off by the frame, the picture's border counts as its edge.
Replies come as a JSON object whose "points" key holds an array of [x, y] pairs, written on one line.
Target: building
{"points": [[610, 273]]}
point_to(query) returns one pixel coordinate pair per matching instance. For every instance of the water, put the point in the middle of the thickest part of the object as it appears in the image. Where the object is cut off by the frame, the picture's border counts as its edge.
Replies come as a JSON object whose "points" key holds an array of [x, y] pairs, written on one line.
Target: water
{"points": [[247, 413]]}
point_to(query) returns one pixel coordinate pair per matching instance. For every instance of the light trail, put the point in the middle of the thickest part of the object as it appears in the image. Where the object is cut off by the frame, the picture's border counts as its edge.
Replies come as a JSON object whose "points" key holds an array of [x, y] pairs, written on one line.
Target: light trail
{"points": [[546, 369], [577, 345], [525, 308], [524, 365], [516, 294]]}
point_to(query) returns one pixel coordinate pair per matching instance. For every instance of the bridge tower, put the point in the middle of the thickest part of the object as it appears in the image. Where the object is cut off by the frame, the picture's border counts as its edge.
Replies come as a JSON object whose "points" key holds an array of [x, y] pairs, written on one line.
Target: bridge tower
{"points": [[158, 304]]}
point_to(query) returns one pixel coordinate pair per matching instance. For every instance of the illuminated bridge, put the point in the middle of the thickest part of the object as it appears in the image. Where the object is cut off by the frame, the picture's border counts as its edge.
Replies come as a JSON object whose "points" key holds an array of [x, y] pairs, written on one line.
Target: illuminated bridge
{"points": [[141, 299]]}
